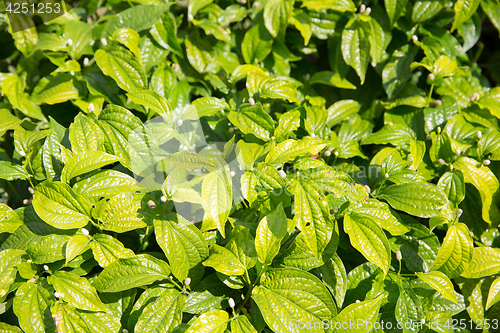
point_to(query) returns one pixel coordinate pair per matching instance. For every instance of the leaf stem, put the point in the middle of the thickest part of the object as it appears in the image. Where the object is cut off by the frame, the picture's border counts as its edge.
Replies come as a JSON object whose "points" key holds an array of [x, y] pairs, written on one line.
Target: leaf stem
{"points": [[430, 95]]}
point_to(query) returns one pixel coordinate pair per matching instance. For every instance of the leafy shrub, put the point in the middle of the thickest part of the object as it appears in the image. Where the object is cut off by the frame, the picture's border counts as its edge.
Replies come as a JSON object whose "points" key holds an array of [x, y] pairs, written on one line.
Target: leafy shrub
{"points": [[263, 166]]}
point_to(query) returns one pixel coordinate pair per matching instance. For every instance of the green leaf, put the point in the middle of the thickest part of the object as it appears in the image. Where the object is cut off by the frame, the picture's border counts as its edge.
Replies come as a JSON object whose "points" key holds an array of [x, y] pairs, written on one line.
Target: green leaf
{"points": [[484, 181], [124, 212], [337, 5], [395, 134], [341, 110], [256, 44], [58, 205], [485, 262], [290, 149], [57, 89], [417, 150], [23, 31], [456, 251], [123, 67], [356, 47], [331, 79], [72, 320], [214, 321], [394, 9], [197, 54], [441, 283], [207, 106], [312, 216], [492, 10], [10, 171], [464, 9], [128, 273], [196, 5], [152, 100], [276, 14], [76, 291], [366, 311], [283, 302], [12, 87], [49, 249], [31, 308], [76, 246], [253, 120], [86, 162], [85, 135], [302, 22], [452, 183], [224, 261], [106, 183], [9, 220], [397, 71], [242, 245], [241, 324], [278, 88], [107, 249], [217, 198], [334, 276], [182, 243], [288, 123], [493, 294], [270, 231], [6, 328], [424, 10], [8, 122], [418, 199], [162, 315], [490, 101], [369, 239], [8, 260]]}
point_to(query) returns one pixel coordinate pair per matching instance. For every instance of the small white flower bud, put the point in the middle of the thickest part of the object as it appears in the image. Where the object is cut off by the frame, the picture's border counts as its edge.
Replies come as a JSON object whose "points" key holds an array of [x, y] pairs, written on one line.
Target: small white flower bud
{"points": [[431, 77], [232, 173], [179, 122], [26, 201], [399, 256], [439, 129], [459, 212], [362, 9], [307, 77], [414, 38], [57, 295], [282, 174], [29, 260], [92, 42], [251, 101], [474, 97], [386, 175], [451, 166], [256, 4], [45, 267], [125, 330], [471, 233], [358, 301], [190, 17], [91, 107], [327, 153], [85, 232], [31, 190], [22, 153], [86, 62], [69, 42], [313, 135], [336, 153], [459, 151], [152, 204], [479, 134], [163, 198], [486, 162], [422, 321], [441, 161], [335, 209], [368, 11], [367, 189], [428, 137], [243, 2], [231, 130], [104, 42], [437, 102], [32, 280], [231, 302], [72, 73], [187, 282]]}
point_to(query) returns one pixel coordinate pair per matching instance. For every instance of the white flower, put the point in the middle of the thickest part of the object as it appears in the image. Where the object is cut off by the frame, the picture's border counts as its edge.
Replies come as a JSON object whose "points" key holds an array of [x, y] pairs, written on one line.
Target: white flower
{"points": [[232, 173], [437, 102], [367, 189], [32, 280], [187, 282], [386, 175], [26, 201], [307, 77], [368, 11], [336, 153], [414, 38], [399, 256], [474, 97], [459, 212], [86, 62], [163, 198], [190, 17], [69, 42], [439, 129], [85, 232], [335, 209], [362, 8], [251, 101], [104, 42], [91, 107], [22, 153], [479, 134], [231, 302], [327, 153], [151, 204], [72, 73], [441, 161], [125, 330], [282, 174], [57, 295], [486, 162], [313, 135], [31, 190], [179, 122], [431, 77], [45, 267], [422, 321], [358, 301]]}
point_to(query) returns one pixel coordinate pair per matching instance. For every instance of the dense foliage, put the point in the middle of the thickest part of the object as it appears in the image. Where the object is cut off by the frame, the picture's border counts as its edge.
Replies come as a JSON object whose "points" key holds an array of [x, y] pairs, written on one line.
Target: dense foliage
{"points": [[251, 166]]}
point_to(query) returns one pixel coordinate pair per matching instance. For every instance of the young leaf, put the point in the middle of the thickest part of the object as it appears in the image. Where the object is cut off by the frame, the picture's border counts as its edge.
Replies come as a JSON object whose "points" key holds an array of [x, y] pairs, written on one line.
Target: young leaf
{"points": [[441, 283], [366, 311], [85, 162], [107, 249], [162, 315], [456, 251], [269, 234], [214, 321], [217, 198], [31, 308], [356, 47]]}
